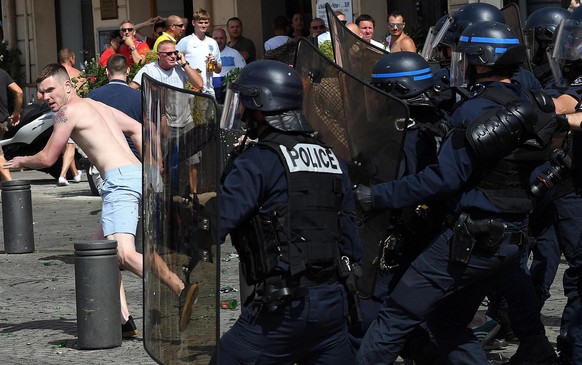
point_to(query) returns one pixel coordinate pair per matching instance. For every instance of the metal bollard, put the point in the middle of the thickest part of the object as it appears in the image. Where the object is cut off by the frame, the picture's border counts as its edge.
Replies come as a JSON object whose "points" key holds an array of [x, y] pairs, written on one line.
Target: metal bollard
{"points": [[97, 294], [17, 216]]}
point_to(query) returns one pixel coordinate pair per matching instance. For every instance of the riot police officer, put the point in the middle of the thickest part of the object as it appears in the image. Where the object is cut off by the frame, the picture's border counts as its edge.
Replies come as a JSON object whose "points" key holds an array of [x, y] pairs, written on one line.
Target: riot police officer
{"points": [[288, 206], [442, 40], [566, 200], [407, 76], [539, 30], [487, 229]]}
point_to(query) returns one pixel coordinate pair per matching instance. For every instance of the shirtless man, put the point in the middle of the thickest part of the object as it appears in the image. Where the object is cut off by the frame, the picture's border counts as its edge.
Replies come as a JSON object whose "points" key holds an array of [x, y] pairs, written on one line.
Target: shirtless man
{"points": [[99, 129], [398, 40]]}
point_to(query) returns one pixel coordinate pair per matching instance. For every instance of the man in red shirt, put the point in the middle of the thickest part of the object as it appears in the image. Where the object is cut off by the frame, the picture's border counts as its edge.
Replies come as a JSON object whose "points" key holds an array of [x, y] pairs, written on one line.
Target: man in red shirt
{"points": [[114, 44], [133, 49]]}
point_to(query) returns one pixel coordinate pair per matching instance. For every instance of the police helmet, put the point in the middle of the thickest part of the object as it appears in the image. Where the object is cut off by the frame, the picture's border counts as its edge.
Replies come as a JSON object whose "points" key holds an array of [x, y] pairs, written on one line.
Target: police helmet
{"points": [[566, 59], [449, 28], [474, 13], [540, 29], [271, 87], [491, 44], [404, 75], [542, 23]]}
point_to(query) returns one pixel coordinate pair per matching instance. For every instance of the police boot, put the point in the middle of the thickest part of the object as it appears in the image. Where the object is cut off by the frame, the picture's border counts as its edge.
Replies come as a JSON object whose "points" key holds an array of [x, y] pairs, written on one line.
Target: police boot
{"points": [[534, 350], [423, 351], [564, 350]]}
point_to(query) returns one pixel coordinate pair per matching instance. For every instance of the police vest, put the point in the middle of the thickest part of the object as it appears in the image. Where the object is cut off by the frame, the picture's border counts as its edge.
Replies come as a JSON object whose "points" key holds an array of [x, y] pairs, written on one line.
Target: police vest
{"points": [[303, 234], [506, 181]]}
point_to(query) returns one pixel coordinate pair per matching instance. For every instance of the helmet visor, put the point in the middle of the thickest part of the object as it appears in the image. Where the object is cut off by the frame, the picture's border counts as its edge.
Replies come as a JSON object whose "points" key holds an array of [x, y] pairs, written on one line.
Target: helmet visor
{"points": [[531, 44], [232, 110], [458, 69], [441, 34], [427, 49], [568, 44]]}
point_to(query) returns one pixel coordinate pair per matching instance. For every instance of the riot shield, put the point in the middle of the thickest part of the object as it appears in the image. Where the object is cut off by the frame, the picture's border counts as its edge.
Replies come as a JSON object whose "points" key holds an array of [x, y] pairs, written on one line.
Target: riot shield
{"points": [[513, 20], [364, 126], [351, 52], [181, 166]]}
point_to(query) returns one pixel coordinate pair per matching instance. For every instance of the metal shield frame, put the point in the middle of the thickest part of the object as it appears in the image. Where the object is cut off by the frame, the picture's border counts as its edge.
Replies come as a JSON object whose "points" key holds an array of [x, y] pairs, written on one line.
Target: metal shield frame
{"points": [[364, 126], [180, 130]]}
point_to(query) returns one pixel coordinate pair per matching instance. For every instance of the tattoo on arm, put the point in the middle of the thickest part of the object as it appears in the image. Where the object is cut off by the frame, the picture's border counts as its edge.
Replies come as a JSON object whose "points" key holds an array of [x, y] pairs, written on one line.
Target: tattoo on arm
{"points": [[61, 117]]}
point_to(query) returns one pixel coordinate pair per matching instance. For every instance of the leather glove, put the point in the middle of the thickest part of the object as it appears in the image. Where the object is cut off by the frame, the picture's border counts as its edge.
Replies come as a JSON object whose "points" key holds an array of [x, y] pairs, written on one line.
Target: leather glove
{"points": [[563, 125], [363, 196]]}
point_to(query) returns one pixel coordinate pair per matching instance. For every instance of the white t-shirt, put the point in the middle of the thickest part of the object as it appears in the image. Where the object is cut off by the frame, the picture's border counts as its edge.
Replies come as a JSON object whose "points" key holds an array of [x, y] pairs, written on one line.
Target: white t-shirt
{"points": [[275, 42], [178, 106], [380, 45], [176, 76], [231, 59], [196, 52]]}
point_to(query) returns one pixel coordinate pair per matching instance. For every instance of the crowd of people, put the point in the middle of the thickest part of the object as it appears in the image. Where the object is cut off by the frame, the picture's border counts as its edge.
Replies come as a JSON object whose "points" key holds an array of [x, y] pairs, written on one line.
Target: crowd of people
{"points": [[488, 177]]}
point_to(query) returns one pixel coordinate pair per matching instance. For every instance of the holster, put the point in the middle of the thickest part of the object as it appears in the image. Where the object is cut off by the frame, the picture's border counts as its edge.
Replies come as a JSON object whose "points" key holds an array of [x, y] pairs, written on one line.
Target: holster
{"points": [[463, 241], [257, 244], [484, 234], [348, 274]]}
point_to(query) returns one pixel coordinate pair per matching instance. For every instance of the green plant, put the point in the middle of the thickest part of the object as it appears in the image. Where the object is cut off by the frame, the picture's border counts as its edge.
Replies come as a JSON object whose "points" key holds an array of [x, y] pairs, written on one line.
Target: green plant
{"points": [[327, 49], [232, 75], [94, 76]]}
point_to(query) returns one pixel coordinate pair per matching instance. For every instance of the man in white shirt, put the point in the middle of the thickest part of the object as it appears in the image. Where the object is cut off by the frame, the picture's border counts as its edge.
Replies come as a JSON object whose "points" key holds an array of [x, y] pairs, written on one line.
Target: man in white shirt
{"points": [[231, 59], [202, 52], [171, 68], [366, 24], [281, 28]]}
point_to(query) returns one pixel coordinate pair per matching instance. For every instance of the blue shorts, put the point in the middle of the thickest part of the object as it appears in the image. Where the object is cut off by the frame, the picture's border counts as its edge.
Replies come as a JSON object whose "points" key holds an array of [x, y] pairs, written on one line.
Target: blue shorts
{"points": [[121, 194]]}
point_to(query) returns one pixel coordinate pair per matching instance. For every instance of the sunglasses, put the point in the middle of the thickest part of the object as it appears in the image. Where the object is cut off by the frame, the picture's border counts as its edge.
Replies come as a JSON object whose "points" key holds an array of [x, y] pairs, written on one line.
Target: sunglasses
{"points": [[172, 53], [178, 25], [318, 27], [344, 22], [398, 25], [126, 29]]}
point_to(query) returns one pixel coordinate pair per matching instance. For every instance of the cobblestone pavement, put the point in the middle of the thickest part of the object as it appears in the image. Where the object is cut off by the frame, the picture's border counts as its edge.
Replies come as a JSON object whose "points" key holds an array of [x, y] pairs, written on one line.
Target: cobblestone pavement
{"points": [[37, 290]]}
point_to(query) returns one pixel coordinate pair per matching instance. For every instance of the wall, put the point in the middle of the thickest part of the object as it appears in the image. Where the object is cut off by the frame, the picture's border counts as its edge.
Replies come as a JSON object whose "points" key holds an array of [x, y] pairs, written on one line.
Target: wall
{"points": [[41, 31]]}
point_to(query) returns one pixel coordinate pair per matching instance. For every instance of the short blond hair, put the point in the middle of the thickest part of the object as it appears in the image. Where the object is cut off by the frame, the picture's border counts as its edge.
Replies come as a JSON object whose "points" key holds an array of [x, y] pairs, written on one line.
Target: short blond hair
{"points": [[200, 14]]}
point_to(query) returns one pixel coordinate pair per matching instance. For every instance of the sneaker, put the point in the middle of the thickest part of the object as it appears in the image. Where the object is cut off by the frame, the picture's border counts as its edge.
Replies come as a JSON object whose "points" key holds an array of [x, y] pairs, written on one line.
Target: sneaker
{"points": [[129, 329], [188, 297], [487, 331], [62, 181], [77, 178]]}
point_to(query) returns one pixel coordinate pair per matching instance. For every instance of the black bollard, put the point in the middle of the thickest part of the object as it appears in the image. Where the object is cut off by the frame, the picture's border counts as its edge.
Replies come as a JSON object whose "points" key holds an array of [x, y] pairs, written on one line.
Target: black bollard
{"points": [[97, 294], [17, 216]]}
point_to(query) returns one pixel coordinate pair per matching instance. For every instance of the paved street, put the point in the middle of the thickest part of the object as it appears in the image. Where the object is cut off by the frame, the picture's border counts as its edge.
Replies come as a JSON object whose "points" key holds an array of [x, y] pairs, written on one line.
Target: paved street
{"points": [[37, 290]]}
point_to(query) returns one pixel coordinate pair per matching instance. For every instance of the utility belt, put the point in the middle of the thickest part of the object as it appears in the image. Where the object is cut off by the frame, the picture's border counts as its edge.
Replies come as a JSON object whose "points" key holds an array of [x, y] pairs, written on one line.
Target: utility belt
{"points": [[277, 290], [484, 235]]}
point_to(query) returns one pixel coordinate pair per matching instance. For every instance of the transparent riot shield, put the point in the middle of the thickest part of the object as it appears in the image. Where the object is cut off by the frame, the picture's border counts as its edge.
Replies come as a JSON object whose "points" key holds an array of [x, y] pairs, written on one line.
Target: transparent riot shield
{"points": [[364, 126], [513, 20], [181, 166], [351, 52]]}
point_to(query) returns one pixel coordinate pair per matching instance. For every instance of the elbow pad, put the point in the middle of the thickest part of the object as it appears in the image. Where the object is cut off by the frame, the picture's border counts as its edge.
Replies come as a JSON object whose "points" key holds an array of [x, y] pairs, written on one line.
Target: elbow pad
{"points": [[497, 135]]}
